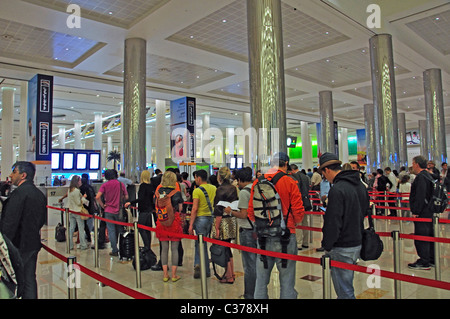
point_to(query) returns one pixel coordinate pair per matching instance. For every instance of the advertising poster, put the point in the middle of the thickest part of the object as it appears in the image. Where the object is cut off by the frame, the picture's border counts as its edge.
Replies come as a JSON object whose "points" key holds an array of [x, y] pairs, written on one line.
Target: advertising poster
{"points": [[182, 129], [40, 113], [361, 146]]}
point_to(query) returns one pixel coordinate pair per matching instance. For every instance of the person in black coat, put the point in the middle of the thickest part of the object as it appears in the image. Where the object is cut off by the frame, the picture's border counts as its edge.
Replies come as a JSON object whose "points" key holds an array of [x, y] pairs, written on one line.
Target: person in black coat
{"points": [[145, 206], [421, 192], [348, 204], [23, 216]]}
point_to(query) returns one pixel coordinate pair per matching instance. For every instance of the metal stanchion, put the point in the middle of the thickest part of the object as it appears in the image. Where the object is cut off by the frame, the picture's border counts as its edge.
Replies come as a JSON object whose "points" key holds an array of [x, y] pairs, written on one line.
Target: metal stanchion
{"points": [[400, 214], [96, 263], [397, 283], [310, 225], [201, 248], [71, 272], [68, 240], [437, 247], [325, 261], [137, 260]]}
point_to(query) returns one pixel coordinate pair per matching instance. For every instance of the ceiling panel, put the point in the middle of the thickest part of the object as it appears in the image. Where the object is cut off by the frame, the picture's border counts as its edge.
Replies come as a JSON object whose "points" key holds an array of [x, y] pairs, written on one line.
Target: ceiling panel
{"points": [[340, 70], [435, 30], [242, 90], [172, 72], [30, 43], [121, 13], [224, 32]]}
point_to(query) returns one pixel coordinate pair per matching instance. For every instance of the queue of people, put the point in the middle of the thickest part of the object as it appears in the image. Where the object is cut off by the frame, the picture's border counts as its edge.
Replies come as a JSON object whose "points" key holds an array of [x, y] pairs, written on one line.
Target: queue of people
{"points": [[268, 226]]}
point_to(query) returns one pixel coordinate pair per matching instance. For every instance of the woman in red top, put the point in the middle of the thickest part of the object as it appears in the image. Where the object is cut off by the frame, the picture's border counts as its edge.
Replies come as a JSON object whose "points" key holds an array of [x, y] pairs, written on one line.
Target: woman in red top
{"points": [[168, 184]]}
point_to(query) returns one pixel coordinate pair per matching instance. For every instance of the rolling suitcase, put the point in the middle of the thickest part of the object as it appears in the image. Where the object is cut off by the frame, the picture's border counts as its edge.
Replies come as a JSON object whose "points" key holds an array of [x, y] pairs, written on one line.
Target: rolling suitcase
{"points": [[60, 230], [126, 241]]}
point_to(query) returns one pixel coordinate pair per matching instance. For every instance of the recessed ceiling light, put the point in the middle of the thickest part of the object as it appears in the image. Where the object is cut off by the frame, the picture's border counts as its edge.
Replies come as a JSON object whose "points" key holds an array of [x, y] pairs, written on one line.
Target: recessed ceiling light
{"points": [[327, 33], [224, 20], [191, 37], [437, 18], [327, 60], [110, 12]]}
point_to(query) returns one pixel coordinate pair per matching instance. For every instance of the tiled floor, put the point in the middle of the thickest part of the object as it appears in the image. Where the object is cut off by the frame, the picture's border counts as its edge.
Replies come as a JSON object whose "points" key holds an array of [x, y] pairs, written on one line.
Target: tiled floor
{"points": [[52, 275]]}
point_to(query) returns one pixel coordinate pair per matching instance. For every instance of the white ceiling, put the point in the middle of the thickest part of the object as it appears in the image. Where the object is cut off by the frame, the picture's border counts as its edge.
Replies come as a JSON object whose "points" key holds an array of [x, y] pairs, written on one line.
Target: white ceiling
{"points": [[199, 48]]}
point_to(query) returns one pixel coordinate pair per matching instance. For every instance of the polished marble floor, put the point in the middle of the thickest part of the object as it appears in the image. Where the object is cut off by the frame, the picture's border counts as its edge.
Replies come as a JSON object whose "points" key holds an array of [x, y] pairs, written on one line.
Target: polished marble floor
{"points": [[52, 273]]}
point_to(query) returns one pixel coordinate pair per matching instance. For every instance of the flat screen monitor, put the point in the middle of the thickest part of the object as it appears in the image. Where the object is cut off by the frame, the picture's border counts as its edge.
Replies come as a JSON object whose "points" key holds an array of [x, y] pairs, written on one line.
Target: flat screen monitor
{"points": [[55, 160], [232, 162], [68, 160], [94, 161], [239, 162], [93, 176], [81, 161]]}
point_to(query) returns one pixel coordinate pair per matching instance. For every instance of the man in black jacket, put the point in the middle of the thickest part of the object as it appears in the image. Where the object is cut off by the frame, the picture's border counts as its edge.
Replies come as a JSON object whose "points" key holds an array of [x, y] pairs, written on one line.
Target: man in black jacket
{"points": [[421, 191], [348, 204], [22, 219]]}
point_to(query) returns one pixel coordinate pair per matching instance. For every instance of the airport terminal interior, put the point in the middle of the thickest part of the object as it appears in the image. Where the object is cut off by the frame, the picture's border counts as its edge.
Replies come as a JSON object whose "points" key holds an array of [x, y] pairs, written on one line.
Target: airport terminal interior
{"points": [[199, 50]]}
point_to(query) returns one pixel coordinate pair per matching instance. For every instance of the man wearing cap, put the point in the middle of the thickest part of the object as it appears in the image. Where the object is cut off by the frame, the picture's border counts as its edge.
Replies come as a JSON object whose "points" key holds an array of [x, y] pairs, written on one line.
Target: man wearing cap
{"points": [[291, 201], [348, 204]]}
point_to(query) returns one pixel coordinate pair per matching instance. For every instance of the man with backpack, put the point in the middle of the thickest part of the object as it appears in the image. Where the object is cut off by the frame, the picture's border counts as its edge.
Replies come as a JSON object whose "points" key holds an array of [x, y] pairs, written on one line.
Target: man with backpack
{"points": [[420, 196], [276, 208]]}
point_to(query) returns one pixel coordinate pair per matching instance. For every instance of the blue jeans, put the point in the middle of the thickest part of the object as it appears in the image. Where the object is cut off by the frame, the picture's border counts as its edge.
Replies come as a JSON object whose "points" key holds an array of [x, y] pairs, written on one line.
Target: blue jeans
{"points": [[75, 220], [286, 275], [202, 225], [248, 238], [343, 278], [113, 231]]}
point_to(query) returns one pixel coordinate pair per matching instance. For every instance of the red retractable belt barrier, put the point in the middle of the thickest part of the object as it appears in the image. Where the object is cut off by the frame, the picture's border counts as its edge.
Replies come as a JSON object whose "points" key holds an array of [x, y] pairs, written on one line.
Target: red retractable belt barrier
{"points": [[313, 260]]}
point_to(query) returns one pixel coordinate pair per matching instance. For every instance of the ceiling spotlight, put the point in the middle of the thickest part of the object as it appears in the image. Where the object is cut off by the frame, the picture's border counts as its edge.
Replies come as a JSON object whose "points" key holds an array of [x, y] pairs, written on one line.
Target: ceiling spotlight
{"points": [[224, 20]]}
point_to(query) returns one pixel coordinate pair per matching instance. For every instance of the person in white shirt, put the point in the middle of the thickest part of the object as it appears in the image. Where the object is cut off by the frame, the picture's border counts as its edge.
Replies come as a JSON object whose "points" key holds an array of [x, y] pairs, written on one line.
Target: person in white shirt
{"points": [[75, 202]]}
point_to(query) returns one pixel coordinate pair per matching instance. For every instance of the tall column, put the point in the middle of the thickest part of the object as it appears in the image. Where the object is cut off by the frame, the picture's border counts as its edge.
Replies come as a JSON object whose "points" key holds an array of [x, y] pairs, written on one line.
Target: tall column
{"points": [[98, 131], [62, 137], [266, 74], [371, 141], [134, 108], [247, 142], [77, 134], [403, 152], [434, 108], [148, 145], [343, 143], [7, 131], [206, 138], [307, 161], [23, 121], [326, 122], [161, 134], [424, 142], [384, 98]]}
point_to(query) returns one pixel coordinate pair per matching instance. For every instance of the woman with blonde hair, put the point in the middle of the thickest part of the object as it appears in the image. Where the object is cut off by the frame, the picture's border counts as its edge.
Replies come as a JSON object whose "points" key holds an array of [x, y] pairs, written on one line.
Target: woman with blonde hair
{"points": [[75, 202], [168, 189], [224, 226]]}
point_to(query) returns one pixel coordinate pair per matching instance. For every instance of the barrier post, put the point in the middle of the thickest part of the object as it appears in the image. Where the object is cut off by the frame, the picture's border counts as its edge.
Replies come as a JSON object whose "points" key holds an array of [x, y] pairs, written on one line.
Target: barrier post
{"points": [[437, 248], [397, 283], [96, 263], [325, 261], [71, 286], [137, 260], [201, 248], [68, 240], [309, 216], [400, 214]]}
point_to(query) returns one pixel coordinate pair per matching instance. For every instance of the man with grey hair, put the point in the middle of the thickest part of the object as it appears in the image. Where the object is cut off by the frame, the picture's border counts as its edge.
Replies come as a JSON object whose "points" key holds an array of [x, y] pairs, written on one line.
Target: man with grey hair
{"points": [[22, 218]]}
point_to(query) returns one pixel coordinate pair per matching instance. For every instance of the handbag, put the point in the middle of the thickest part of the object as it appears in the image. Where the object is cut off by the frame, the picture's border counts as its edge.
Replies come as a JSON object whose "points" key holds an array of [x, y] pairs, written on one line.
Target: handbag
{"points": [[372, 245], [85, 214], [227, 229]]}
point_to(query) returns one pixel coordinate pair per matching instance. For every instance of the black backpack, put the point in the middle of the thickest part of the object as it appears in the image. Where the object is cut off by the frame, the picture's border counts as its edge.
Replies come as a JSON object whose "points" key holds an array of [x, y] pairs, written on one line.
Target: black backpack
{"points": [[439, 200], [269, 221]]}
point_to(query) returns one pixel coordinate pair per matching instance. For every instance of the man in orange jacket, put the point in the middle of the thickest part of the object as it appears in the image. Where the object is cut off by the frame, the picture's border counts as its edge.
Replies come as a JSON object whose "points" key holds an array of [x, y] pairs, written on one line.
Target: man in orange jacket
{"points": [[291, 202]]}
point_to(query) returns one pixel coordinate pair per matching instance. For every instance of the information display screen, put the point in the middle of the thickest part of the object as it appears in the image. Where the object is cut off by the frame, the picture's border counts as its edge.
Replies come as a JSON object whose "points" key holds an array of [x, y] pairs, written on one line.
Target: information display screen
{"points": [[68, 160]]}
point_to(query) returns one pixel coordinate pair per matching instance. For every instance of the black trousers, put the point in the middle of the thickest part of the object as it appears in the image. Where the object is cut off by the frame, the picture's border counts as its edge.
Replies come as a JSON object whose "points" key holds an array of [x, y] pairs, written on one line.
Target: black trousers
{"points": [[29, 260], [425, 249]]}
